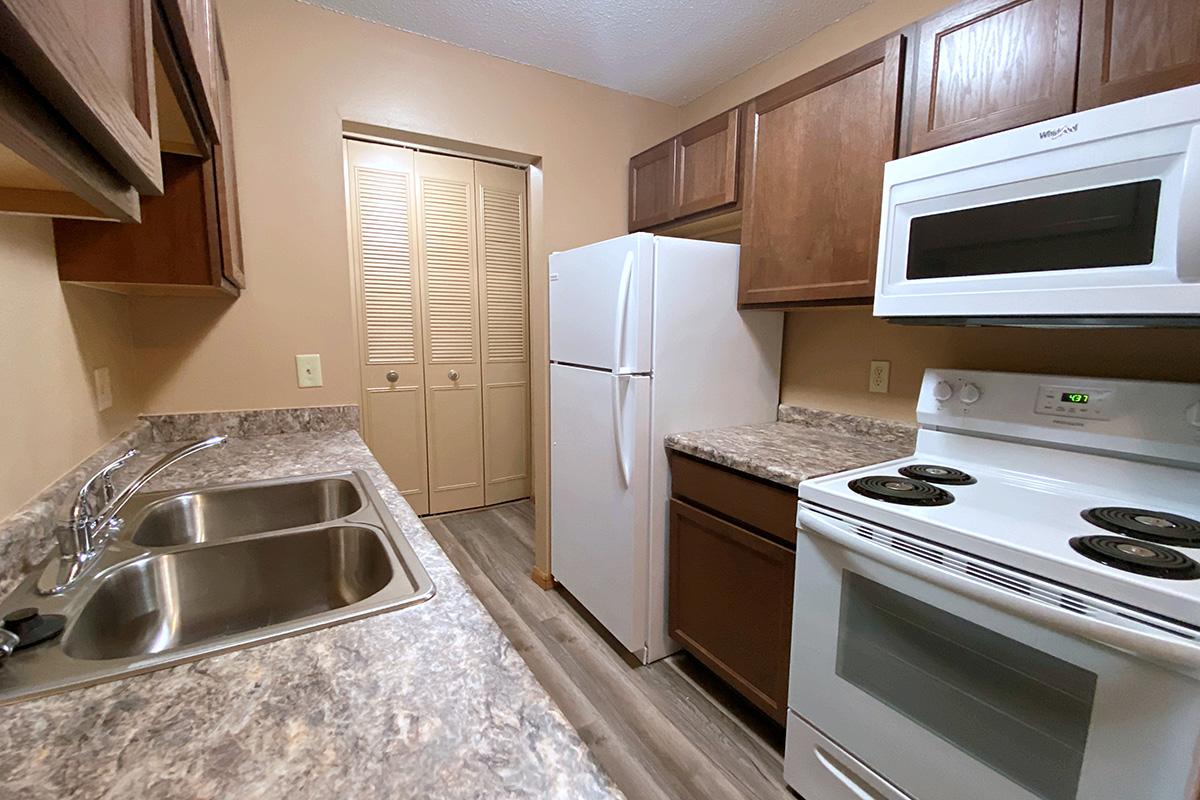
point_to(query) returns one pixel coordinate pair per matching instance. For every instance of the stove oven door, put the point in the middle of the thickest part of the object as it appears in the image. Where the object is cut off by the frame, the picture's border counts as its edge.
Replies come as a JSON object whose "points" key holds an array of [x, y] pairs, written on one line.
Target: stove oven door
{"points": [[955, 678]]}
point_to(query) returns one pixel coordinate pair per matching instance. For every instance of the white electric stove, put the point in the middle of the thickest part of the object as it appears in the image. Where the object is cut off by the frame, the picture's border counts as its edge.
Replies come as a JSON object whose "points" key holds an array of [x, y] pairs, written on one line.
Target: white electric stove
{"points": [[1011, 613]]}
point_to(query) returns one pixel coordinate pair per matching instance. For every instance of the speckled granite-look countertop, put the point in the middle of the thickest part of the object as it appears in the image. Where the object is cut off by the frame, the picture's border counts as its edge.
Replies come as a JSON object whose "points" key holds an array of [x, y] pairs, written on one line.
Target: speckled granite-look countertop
{"points": [[803, 443], [431, 701]]}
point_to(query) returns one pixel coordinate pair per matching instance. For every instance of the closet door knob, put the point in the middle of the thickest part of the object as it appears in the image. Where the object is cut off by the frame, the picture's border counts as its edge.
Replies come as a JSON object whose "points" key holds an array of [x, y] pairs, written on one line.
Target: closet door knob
{"points": [[452, 374], [392, 376]]}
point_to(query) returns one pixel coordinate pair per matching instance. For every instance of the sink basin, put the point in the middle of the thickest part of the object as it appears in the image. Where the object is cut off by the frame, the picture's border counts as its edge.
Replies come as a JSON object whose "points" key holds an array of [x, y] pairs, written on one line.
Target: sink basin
{"points": [[207, 570], [164, 602], [213, 515]]}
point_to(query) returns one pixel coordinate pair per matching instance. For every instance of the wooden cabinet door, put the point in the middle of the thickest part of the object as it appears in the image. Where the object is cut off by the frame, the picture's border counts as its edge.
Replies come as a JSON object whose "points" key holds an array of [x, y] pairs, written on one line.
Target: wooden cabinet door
{"points": [[380, 188], [731, 603], [191, 24], [449, 263], [988, 65], [93, 61], [814, 181], [1131, 48], [227, 194], [707, 172], [652, 186], [504, 327]]}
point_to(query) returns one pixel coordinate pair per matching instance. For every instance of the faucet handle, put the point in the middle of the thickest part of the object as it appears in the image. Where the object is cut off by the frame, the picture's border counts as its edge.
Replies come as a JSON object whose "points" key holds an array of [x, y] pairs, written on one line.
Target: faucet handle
{"points": [[82, 508], [107, 471]]}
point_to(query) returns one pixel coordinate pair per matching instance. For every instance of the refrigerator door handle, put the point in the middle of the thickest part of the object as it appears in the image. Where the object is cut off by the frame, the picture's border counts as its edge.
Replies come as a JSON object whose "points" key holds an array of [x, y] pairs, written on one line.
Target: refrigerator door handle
{"points": [[619, 428], [622, 312]]}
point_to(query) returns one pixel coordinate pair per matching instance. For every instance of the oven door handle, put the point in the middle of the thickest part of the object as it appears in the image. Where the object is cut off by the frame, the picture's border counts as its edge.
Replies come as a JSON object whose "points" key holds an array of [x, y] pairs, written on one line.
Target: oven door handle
{"points": [[1174, 653]]}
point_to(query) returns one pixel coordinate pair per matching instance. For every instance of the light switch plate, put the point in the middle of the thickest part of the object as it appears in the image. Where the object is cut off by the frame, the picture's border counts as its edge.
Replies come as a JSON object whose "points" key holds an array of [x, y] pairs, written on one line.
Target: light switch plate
{"points": [[308, 371], [880, 376], [102, 381]]}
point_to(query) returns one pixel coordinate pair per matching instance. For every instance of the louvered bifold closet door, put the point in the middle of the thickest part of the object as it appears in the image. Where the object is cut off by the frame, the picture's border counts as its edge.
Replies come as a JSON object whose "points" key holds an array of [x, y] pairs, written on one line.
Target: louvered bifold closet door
{"points": [[381, 186], [500, 215], [453, 380]]}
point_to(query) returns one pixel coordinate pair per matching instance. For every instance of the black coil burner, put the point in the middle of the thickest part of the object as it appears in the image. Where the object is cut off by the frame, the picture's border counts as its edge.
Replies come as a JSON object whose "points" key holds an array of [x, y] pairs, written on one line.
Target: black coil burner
{"points": [[1142, 558], [905, 491], [1150, 526], [933, 473]]}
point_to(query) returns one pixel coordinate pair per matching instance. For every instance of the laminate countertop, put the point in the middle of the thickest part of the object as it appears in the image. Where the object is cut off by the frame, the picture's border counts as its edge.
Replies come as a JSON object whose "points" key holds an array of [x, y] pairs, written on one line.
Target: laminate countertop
{"points": [[429, 701], [803, 443]]}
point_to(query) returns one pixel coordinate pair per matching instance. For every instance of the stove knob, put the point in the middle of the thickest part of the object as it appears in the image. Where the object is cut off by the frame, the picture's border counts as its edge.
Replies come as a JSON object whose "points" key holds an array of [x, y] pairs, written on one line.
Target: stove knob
{"points": [[970, 394], [1193, 415], [942, 391]]}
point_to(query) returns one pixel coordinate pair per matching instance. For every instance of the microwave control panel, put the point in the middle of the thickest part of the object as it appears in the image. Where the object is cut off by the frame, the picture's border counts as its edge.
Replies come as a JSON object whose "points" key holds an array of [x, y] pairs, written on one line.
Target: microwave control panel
{"points": [[1077, 401]]}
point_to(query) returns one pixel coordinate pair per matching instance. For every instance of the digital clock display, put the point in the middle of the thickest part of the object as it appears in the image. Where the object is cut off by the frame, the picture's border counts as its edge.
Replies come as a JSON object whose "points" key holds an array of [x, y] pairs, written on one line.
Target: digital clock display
{"points": [[1078, 398]]}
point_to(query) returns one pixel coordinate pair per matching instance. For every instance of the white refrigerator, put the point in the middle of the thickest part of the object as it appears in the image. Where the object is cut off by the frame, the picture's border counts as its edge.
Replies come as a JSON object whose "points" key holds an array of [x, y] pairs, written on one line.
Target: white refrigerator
{"points": [[645, 340]]}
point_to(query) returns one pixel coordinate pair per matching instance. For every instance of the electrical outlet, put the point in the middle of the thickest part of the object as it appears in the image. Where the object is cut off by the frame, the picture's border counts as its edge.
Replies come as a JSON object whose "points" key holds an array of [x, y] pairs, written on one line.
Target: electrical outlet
{"points": [[102, 381], [880, 374], [308, 371]]}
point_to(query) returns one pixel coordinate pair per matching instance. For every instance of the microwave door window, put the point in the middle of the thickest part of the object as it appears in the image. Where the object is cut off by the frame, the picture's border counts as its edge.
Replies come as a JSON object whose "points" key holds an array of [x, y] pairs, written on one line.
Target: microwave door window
{"points": [[1113, 226], [1020, 711]]}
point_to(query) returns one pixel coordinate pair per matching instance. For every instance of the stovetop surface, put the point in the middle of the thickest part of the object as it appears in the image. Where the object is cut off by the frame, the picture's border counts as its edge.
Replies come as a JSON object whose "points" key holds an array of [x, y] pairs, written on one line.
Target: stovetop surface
{"points": [[1025, 507]]}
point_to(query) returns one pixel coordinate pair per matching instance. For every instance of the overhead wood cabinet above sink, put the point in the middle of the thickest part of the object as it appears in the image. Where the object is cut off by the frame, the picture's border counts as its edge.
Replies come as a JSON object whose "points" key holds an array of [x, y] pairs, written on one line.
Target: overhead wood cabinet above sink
{"points": [[189, 239], [78, 127]]}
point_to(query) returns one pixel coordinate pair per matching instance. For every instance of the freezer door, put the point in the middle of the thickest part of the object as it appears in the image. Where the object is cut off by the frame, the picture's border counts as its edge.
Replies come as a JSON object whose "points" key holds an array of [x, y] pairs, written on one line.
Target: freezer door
{"points": [[601, 304], [599, 495]]}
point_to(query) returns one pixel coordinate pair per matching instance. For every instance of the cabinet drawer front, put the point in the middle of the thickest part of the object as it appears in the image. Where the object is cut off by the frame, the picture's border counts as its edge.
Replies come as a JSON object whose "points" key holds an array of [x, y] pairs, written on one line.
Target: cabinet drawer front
{"points": [[771, 509], [990, 65], [731, 603]]}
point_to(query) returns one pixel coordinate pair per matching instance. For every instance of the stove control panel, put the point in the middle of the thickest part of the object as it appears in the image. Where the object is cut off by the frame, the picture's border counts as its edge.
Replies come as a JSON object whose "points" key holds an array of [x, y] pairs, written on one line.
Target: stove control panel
{"points": [[1153, 420], [1075, 401]]}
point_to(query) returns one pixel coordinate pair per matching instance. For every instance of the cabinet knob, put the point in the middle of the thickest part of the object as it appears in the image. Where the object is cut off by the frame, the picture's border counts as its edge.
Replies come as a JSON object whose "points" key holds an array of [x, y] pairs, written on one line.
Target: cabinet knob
{"points": [[392, 376], [452, 374]]}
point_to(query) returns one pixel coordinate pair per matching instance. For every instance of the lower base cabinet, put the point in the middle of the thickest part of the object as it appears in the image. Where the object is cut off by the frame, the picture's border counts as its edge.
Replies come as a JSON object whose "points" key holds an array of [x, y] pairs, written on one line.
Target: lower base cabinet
{"points": [[731, 584]]}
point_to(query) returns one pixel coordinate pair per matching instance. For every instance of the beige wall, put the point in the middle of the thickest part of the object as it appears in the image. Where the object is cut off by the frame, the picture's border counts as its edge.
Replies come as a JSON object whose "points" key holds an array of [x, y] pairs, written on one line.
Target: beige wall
{"points": [[51, 338], [297, 72], [827, 351]]}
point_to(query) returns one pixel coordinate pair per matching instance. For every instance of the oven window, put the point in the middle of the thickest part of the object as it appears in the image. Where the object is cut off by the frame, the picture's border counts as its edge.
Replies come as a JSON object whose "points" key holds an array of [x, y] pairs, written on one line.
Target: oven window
{"points": [[1020, 711], [1109, 227]]}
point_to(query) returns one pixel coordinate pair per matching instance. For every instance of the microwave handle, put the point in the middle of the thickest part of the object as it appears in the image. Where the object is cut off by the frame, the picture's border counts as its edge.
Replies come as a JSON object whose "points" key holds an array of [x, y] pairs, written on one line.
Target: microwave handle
{"points": [[1172, 653], [1188, 232]]}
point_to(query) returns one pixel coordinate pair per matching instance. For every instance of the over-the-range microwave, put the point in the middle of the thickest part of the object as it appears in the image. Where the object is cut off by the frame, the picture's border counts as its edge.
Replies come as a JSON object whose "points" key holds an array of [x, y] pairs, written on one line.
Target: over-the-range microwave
{"points": [[1086, 220]]}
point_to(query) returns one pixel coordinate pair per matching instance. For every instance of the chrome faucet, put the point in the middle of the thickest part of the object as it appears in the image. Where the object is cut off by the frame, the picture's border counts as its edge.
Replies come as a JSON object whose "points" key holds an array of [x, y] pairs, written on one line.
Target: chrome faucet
{"points": [[85, 534]]}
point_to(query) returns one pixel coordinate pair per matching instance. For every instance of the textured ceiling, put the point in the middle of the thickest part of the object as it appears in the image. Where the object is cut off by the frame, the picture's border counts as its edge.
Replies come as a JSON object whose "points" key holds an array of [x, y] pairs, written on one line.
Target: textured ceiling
{"points": [[669, 51]]}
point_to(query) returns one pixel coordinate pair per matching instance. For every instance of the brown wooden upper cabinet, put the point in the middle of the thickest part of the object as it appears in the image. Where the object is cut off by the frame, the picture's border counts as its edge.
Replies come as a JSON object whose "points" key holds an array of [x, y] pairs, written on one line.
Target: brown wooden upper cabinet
{"points": [[229, 215], [707, 170], [652, 186], [814, 179], [192, 26], [988, 65], [1130, 48], [92, 59], [189, 239], [689, 176]]}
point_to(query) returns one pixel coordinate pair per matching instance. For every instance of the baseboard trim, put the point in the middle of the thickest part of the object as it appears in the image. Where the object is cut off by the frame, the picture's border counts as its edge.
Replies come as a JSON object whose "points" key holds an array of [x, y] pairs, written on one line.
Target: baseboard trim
{"points": [[542, 579]]}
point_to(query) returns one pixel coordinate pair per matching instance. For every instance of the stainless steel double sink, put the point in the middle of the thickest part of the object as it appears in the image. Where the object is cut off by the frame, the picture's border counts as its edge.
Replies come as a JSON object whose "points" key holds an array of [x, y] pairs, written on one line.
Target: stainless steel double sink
{"points": [[198, 572]]}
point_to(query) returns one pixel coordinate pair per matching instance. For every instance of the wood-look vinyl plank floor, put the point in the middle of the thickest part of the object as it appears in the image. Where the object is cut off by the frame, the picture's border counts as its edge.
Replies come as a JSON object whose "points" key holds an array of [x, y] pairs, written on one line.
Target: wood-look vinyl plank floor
{"points": [[666, 731]]}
